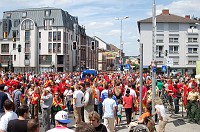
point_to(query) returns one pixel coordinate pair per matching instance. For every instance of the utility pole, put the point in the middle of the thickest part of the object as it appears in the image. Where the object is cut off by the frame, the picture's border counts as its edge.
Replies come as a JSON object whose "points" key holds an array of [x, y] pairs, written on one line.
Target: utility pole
{"points": [[141, 75], [153, 54]]}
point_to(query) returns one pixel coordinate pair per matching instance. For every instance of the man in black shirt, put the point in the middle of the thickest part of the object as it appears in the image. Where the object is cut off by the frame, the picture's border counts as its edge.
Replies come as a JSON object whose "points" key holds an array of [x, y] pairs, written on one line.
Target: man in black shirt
{"points": [[3, 97], [20, 124]]}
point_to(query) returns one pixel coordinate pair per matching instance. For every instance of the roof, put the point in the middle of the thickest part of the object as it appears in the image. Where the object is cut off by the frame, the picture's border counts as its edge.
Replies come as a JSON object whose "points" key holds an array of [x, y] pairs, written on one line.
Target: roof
{"points": [[163, 18], [60, 18], [168, 18]]}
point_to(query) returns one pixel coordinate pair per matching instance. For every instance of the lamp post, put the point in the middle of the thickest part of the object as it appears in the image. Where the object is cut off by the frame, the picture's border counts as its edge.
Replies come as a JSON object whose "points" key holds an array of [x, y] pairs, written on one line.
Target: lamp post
{"points": [[153, 53], [141, 75], [121, 43]]}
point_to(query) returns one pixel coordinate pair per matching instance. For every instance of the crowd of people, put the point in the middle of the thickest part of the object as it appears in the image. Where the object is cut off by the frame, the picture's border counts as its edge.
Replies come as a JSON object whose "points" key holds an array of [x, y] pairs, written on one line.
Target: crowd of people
{"points": [[90, 100]]}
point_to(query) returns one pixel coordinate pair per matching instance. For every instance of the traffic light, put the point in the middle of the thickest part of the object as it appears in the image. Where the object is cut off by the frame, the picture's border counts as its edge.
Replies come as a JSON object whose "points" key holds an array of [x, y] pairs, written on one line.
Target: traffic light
{"points": [[74, 44], [19, 48], [166, 52], [93, 45]]}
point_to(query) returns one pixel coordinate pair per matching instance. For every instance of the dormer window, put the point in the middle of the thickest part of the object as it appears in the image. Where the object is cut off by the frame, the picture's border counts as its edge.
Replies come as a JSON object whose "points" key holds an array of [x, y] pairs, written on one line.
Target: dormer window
{"points": [[8, 15], [47, 13], [24, 14]]}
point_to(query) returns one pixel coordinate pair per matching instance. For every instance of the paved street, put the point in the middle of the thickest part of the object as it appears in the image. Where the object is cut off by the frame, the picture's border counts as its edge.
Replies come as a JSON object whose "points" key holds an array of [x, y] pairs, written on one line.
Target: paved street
{"points": [[176, 123]]}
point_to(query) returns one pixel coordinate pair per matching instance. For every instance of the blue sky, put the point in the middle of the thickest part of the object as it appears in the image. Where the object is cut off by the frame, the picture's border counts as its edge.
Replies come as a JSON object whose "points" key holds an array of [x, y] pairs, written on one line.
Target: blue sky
{"points": [[98, 16]]}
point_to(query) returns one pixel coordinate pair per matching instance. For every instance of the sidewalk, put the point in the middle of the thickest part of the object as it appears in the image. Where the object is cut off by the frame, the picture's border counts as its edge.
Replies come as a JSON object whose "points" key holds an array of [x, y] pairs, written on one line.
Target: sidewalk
{"points": [[176, 123]]}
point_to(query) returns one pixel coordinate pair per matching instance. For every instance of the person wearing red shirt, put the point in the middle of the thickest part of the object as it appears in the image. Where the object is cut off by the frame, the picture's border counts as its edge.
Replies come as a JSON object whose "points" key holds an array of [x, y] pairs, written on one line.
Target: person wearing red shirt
{"points": [[185, 93], [176, 96], [34, 103], [128, 102], [62, 87], [170, 92]]}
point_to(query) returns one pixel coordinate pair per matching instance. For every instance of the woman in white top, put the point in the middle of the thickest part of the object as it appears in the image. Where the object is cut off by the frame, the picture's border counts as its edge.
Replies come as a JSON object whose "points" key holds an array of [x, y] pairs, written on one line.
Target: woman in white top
{"points": [[160, 111]]}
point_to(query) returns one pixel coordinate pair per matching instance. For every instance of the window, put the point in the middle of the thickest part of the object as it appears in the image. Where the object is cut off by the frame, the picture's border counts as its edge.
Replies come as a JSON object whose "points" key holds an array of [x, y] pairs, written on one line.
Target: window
{"points": [[192, 40], [48, 24], [59, 47], [54, 36], [173, 27], [192, 50], [173, 40], [45, 59], [54, 48], [4, 48], [14, 57], [27, 47], [15, 33], [159, 50], [16, 22], [24, 14], [50, 47], [27, 36], [14, 46], [191, 62], [160, 27], [27, 56], [173, 49], [39, 46], [50, 36], [159, 38], [39, 34], [27, 25], [59, 35]]}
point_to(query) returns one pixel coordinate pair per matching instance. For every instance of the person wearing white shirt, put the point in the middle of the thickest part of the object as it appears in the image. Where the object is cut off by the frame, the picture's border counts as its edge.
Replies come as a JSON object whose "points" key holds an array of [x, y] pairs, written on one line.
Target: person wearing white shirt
{"points": [[109, 108], [78, 96], [9, 115], [68, 93]]}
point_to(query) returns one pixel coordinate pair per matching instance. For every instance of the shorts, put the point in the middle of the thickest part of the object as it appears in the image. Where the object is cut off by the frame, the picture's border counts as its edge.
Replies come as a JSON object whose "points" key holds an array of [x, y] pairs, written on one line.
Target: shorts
{"points": [[119, 116]]}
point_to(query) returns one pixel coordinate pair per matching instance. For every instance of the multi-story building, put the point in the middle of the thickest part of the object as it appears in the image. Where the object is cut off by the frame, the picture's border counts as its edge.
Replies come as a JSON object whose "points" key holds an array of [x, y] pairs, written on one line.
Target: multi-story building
{"points": [[107, 54], [46, 36], [177, 41]]}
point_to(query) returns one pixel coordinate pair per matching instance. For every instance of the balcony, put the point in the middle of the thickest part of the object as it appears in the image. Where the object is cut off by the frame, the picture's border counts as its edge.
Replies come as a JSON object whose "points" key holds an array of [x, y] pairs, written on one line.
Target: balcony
{"points": [[192, 31]]}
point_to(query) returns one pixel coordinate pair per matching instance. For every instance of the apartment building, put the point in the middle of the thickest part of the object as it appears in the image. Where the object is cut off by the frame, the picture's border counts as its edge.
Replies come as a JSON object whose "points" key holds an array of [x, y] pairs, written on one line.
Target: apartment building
{"points": [[177, 41], [45, 36]]}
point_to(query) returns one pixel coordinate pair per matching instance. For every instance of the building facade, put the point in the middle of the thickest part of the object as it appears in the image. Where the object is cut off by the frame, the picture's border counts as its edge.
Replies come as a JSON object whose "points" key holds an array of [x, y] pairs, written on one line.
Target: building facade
{"points": [[46, 36], [177, 41]]}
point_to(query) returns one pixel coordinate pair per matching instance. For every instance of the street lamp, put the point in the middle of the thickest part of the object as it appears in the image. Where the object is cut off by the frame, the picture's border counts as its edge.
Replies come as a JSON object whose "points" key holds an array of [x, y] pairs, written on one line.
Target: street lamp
{"points": [[121, 43]]}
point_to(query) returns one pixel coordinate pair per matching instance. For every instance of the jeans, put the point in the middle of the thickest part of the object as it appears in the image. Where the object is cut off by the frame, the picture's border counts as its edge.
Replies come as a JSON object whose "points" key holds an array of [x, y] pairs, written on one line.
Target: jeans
{"points": [[100, 111], [69, 106], [46, 119], [176, 104]]}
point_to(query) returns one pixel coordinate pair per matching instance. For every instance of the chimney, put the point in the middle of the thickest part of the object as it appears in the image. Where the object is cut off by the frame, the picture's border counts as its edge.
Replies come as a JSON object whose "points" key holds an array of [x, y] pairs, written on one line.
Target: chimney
{"points": [[187, 16], [165, 11]]}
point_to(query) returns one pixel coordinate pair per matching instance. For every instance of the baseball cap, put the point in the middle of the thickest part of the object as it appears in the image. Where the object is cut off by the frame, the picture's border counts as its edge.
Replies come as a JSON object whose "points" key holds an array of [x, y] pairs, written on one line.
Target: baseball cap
{"points": [[62, 117], [5, 88], [48, 89]]}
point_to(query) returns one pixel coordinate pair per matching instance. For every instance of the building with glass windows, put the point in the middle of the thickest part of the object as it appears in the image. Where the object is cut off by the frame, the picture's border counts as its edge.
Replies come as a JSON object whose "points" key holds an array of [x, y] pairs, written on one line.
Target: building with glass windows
{"points": [[45, 36], [177, 41]]}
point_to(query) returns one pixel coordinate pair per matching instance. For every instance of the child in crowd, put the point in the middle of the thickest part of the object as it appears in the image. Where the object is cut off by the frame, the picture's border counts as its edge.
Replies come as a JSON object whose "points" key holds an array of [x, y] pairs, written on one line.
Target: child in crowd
{"points": [[119, 112]]}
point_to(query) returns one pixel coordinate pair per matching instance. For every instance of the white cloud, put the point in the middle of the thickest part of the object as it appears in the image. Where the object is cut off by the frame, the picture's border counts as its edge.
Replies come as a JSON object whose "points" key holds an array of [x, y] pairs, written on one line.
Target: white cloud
{"points": [[114, 33], [180, 7]]}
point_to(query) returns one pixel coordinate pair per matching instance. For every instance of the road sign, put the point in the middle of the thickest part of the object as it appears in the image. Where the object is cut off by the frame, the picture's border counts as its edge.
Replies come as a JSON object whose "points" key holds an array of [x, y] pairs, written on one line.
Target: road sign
{"points": [[154, 69], [164, 68], [169, 61]]}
